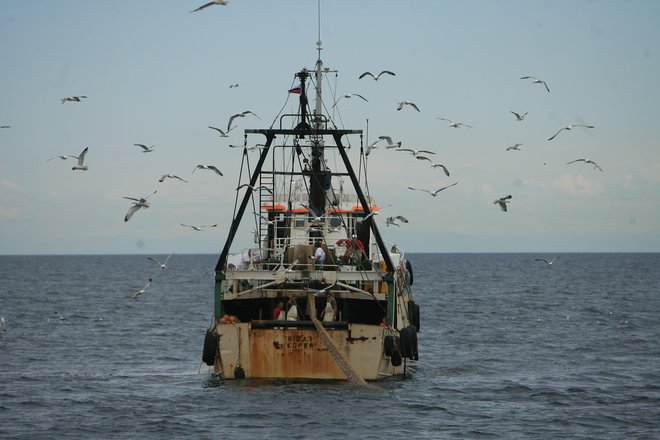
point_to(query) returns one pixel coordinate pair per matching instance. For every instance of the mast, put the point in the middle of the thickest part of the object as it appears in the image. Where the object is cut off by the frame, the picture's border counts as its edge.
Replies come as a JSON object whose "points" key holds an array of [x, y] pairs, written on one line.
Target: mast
{"points": [[320, 176]]}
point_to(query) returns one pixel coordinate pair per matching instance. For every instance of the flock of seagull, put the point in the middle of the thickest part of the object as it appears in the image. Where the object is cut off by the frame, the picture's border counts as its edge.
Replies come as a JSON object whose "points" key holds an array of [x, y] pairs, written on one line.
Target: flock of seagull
{"points": [[142, 202], [423, 154]]}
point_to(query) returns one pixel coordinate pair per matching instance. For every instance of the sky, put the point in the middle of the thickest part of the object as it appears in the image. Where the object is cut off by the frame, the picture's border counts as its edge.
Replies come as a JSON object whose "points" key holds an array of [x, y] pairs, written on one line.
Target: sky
{"points": [[157, 74]]}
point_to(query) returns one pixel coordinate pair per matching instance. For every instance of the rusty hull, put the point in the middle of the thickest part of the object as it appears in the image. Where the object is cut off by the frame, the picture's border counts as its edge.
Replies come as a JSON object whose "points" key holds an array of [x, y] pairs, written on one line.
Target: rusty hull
{"points": [[300, 353]]}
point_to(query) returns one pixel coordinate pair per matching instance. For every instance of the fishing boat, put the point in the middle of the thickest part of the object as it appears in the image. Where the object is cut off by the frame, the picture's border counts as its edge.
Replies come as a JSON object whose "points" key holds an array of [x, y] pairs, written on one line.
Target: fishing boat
{"points": [[344, 299]]}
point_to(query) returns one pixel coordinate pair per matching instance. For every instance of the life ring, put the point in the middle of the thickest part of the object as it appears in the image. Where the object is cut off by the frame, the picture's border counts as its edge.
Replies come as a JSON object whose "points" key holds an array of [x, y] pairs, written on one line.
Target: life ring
{"points": [[210, 347]]}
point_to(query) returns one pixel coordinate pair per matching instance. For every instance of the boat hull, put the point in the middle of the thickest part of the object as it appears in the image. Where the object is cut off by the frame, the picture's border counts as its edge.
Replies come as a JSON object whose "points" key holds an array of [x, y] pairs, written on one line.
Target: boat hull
{"points": [[254, 350]]}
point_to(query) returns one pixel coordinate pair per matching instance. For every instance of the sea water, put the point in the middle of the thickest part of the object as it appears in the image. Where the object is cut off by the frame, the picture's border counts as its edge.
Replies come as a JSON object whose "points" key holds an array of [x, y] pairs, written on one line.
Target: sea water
{"points": [[509, 348]]}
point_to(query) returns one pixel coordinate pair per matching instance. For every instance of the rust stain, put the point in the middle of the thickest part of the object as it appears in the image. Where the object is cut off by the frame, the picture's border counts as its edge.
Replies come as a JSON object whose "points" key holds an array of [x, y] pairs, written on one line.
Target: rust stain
{"points": [[291, 353]]}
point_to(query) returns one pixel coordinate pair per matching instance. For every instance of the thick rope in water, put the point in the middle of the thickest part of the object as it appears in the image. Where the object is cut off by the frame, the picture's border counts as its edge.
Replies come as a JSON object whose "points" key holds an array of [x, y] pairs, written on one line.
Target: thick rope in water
{"points": [[338, 357]]}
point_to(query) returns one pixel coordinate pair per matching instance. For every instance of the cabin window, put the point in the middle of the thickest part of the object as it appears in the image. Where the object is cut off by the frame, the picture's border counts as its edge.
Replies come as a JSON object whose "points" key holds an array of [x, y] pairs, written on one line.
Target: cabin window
{"points": [[334, 221], [299, 221]]}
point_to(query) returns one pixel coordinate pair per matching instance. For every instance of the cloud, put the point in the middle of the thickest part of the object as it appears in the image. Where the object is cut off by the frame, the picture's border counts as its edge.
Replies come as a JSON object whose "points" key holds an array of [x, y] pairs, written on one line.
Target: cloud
{"points": [[9, 185], [577, 186]]}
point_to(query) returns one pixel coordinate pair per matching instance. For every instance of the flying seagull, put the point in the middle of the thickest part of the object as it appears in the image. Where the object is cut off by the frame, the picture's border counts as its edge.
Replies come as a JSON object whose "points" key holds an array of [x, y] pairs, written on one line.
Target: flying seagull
{"points": [[377, 76], [410, 103], [433, 193], [137, 204], [222, 133], [81, 159], [145, 149], [549, 263], [502, 201], [415, 152], [514, 147], [5, 126], [234, 85], [455, 124], [62, 157], [171, 176], [73, 98], [518, 116], [211, 3], [208, 167], [254, 188], [198, 228], [596, 166], [434, 165], [349, 95], [141, 291], [390, 144], [394, 220], [161, 264], [373, 146], [239, 115], [569, 127], [537, 81], [270, 222]]}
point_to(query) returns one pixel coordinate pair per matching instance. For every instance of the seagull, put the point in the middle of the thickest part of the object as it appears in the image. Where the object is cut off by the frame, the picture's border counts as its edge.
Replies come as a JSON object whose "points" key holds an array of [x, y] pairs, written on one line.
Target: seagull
{"points": [[390, 144], [5, 126], [208, 167], [211, 3], [81, 160], [171, 176], [502, 201], [377, 76], [252, 148], [371, 147], [3, 324], [234, 85], [537, 81], [145, 149], [141, 291], [549, 263], [433, 193], [415, 152], [569, 127], [59, 316], [73, 98], [239, 115], [349, 95], [514, 147], [222, 133], [394, 220], [518, 116], [455, 124], [163, 264], [375, 212], [198, 228], [596, 167], [410, 103], [270, 222], [137, 204], [434, 165], [62, 157], [254, 188]]}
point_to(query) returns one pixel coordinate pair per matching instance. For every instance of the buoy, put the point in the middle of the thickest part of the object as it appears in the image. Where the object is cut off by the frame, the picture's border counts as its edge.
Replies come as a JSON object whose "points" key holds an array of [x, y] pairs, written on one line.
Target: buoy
{"points": [[395, 358], [239, 373], [210, 347], [388, 345]]}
